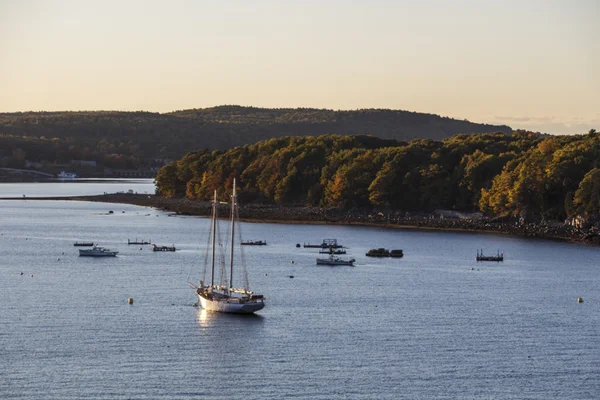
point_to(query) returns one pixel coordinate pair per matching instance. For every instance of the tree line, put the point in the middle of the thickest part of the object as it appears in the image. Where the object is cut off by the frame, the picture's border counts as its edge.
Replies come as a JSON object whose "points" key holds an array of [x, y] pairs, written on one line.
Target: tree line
{"points": [[522, 174], [130, 138]]}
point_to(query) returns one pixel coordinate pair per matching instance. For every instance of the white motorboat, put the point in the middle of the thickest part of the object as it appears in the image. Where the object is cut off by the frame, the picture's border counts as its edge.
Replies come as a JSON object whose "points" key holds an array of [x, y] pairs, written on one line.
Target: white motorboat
{"points": [[333, 260], [224, 297], [98, 251], [67, 175]]}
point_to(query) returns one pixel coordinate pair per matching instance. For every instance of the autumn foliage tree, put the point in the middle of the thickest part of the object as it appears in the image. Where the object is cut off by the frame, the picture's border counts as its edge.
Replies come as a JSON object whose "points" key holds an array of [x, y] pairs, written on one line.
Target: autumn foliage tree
{"points": [[521, 175]]}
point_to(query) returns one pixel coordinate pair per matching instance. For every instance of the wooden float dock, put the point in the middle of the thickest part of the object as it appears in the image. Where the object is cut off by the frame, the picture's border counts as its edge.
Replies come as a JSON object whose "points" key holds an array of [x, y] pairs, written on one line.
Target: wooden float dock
{"points": [[163, 248]]}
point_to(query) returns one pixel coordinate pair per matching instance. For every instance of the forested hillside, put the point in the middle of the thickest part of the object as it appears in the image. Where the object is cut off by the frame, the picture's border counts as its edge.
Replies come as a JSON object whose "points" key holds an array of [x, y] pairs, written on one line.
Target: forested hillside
{"points": [[130, 138], [522, 174], [383, 123]]}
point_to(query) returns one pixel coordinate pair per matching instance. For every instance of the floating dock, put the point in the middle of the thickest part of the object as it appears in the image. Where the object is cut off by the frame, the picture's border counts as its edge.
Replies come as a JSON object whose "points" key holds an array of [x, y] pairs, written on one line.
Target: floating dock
{"points": [[333, 251], [498, 257], [163, 248], [137, 242], [327, 243], [381, 252], [254, 243]]}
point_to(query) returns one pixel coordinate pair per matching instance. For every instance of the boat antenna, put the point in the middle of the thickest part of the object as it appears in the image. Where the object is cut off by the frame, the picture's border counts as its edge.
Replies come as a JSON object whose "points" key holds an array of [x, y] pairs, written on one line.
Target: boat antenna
{"points": [[214, 234], [233, 204]]}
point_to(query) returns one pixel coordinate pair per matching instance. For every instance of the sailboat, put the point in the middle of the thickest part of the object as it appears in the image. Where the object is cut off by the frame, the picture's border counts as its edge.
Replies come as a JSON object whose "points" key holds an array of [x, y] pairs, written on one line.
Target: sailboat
{"points": [[225, 298]]}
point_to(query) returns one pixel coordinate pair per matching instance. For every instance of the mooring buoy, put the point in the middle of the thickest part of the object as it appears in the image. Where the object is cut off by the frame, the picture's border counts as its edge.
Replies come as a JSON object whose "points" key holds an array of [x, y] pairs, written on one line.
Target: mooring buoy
{"points": [[130, 300], [580, 299]]}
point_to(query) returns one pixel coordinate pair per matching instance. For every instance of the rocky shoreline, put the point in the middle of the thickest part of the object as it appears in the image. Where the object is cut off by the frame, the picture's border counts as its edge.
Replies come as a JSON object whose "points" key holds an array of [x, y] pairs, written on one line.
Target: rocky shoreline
{"points": [[312, 215]]}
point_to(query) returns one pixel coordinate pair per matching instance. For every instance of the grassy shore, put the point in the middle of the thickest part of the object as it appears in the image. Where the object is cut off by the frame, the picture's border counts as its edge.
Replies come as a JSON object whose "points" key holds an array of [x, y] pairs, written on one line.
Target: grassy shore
{"points": [[313, 215]]}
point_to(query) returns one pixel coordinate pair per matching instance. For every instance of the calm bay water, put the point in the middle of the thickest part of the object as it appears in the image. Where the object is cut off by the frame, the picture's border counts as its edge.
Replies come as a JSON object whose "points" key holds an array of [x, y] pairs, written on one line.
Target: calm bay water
{"points": [[76, 187], [434, 324]]}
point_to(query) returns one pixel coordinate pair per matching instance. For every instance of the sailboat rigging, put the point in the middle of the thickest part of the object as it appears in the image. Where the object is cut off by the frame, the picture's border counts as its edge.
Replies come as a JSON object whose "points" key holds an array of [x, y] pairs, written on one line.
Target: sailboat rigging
{"points": [[225, 298]]}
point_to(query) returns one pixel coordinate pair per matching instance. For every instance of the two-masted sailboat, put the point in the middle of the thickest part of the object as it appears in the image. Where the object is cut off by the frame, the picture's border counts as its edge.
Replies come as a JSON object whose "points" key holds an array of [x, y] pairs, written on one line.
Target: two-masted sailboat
{"points": [[224, 297]]}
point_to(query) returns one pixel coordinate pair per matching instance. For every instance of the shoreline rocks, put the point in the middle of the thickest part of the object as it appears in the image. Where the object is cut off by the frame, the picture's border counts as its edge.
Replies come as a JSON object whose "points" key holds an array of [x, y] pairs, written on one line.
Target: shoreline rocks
{"points": [[313, 215]]}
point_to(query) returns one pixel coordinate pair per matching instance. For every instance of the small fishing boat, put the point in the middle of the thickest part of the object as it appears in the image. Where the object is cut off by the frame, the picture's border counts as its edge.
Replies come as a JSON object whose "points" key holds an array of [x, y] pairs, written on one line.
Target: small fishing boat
{"points": [[88, 244], [333, 260], [254, 243], [498, 257], [98, 251]]}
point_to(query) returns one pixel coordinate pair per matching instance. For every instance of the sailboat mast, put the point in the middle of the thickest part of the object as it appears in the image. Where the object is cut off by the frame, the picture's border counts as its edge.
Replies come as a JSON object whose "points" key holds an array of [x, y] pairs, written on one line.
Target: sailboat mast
{"points": [[233, 204], [214, 236]]}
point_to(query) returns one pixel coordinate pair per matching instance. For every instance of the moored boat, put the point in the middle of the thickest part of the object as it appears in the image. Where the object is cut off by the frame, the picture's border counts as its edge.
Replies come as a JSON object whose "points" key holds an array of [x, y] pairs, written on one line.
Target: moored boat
{"points": [[224, 297], [98, 251], [333, 260], [66, 175]]}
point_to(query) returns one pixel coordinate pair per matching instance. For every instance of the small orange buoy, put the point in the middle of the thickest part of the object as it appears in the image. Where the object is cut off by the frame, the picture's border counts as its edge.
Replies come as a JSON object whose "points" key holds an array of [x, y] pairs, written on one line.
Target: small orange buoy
{"points": [[580, 299], [130, 300]]}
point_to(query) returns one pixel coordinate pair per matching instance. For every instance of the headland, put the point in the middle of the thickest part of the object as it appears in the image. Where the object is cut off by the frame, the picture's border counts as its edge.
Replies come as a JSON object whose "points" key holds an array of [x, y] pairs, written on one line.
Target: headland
{"points": [[316, 215]]}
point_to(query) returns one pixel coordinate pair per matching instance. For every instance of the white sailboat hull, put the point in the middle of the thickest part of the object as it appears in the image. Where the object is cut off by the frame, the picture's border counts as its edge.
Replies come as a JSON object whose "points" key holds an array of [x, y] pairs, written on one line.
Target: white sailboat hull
{"points": [[232, 305]]}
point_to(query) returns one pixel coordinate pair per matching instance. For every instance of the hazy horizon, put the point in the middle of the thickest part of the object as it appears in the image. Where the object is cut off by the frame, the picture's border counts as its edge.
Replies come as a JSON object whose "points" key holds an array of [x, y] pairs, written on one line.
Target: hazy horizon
{"points": [[530, 65]]}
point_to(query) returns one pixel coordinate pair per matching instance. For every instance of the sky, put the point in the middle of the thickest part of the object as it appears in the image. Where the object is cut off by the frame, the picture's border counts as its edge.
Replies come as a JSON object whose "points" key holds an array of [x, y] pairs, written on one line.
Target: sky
{"points": [[531, 64]]}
